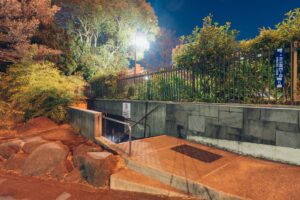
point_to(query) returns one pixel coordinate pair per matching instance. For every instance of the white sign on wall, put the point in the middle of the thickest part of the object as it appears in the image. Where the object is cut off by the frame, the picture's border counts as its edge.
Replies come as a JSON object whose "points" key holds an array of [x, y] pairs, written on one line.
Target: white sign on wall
{"points": [[126, 110]]}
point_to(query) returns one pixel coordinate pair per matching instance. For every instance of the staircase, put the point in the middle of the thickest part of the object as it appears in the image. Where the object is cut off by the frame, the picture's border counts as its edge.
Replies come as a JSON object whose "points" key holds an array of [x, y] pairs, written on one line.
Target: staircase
{"points": [[146, 178]]}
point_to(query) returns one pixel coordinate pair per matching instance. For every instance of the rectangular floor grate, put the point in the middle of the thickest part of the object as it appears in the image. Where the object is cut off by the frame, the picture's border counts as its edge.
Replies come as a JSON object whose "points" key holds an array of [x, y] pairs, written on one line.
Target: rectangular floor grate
{"points": [[196, 153]]}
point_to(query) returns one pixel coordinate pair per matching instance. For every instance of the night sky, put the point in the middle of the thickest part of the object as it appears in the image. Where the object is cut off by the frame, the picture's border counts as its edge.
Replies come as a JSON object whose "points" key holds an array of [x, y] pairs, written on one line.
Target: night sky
{"points": [[247, 16]]}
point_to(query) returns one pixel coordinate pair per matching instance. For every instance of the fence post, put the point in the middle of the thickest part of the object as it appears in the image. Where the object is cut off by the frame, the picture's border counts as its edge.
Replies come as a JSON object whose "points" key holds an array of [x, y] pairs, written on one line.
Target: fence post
{"points": [[294, 71], [193, 83]]}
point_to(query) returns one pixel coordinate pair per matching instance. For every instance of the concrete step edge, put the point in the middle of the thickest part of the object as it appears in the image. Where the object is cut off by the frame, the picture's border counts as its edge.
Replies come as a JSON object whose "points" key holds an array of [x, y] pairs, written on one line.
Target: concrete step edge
{"points": [[119, 183], [183, 184]]}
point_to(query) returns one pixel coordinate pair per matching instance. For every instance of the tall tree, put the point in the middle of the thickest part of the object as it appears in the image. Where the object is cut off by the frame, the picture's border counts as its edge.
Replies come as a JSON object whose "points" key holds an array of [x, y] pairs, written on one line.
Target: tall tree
{"points": [[102, 30], [19, 25]]}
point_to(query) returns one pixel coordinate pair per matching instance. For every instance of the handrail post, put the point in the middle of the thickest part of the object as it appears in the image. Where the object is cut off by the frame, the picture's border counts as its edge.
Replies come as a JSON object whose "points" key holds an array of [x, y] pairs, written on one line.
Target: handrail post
{"points": [[130, 139]]}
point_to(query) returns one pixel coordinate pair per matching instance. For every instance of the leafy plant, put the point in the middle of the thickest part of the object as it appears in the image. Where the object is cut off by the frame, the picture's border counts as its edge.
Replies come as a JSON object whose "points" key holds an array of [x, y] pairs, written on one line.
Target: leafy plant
{"points": [[39, 89]]}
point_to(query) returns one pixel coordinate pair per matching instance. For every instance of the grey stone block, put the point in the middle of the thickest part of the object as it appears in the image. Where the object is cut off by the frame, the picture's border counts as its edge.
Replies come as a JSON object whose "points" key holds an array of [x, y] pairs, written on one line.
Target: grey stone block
{"points": [[228, 133], [208, 111], [224, 108], [252, 113], [236, 109], [170, 108], [261, 130], [196, 123], [287, 127], [212, 131], [288, 139], [231, 119], [280, 115], [181, 117]]}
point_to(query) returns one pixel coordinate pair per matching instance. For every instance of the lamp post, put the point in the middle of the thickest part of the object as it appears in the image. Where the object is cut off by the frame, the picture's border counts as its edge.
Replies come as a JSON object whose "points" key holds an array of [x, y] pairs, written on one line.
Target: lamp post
{"points": [[140, 44]]}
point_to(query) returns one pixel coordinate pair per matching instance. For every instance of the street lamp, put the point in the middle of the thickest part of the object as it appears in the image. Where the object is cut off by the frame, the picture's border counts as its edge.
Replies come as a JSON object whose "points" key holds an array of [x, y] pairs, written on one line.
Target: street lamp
{"points": [[140, 43]]}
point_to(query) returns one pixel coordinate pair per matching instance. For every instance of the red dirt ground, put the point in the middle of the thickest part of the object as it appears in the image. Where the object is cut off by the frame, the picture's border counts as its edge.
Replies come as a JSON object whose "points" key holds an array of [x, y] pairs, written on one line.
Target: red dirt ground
{"points": [[16, 186], [21, 187]]}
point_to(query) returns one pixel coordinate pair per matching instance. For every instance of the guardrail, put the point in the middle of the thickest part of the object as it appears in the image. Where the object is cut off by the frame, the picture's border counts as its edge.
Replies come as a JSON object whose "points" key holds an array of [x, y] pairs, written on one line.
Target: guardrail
{"points": [[126, 124]]}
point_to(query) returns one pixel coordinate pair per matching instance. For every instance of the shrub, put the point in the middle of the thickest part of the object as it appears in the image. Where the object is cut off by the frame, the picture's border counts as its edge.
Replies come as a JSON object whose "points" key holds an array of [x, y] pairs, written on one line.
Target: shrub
{"points": [[39, 89], [8, 116], [106, 84]]}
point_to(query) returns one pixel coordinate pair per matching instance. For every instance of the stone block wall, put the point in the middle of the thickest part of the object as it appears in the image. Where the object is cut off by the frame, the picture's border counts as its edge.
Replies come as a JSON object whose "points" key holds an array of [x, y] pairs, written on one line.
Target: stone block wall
{"points": [[155, 122], [270, 125], [263, 125]]}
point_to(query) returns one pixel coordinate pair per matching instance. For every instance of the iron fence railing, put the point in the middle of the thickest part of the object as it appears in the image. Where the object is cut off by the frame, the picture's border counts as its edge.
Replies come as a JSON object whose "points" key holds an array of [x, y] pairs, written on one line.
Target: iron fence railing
{"points": [[240, 78]]}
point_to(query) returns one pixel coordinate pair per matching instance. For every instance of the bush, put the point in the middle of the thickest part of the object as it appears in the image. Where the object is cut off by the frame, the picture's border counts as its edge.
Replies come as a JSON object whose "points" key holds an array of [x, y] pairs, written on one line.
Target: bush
{"points": [[39, 89], [106, 84], [8, 116]]}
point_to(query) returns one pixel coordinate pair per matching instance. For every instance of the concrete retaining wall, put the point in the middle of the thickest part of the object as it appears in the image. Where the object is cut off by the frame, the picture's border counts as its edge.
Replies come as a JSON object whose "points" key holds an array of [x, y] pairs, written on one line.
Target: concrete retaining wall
{"points": [[88, 122], [155, 122], [273, 125]]}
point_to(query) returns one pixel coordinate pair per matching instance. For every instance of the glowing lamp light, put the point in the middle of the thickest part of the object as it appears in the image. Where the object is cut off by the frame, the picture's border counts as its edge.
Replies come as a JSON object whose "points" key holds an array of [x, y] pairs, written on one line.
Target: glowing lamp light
{"points": [[141, 42]]}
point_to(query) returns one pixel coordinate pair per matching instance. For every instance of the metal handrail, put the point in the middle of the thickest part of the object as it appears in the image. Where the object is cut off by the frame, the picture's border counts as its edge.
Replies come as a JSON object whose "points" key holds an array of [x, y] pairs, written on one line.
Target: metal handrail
{"points": [[124, 123]]}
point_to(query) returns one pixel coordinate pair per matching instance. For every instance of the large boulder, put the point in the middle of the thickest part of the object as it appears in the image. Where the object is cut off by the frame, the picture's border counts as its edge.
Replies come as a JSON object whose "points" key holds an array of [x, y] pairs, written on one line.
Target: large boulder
{"points": [[74, 177], [9, 149], [99, 166], [45, 158], [59, 172], [81, 151], [15, 162], [32, 143]]}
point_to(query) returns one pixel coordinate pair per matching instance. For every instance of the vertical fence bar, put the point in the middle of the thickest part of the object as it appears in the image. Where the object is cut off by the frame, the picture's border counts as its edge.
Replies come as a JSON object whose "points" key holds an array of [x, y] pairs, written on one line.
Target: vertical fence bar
{"points": [[269, 78], [294, 72]]}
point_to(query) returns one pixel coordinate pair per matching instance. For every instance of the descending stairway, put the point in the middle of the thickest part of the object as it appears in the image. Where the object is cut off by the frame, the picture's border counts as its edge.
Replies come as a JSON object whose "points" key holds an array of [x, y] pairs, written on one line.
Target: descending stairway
{"points": [[140, 177]]}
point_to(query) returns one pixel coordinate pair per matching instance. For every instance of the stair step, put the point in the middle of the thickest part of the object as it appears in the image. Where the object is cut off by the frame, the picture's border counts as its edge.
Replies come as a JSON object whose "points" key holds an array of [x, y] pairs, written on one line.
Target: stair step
{"points": [[129, 180]]}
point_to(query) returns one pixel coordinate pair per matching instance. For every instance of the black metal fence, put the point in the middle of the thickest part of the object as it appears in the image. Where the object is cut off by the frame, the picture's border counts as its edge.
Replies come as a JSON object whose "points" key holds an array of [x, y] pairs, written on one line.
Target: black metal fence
{"points": [[240, 78]]}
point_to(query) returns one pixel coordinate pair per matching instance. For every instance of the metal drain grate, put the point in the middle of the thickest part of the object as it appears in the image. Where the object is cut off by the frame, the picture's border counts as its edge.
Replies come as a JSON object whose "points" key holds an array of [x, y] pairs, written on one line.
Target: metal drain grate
{"points": [[196, 153]]}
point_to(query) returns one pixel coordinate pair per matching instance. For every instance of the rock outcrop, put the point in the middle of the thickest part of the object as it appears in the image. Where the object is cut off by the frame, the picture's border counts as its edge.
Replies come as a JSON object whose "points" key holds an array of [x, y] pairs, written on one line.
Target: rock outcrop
{"points": [[45, 158]]}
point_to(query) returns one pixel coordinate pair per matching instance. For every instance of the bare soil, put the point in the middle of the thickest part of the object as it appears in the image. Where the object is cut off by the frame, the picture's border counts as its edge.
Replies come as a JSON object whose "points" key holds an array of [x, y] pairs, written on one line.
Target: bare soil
{"points": [[15, 185]]}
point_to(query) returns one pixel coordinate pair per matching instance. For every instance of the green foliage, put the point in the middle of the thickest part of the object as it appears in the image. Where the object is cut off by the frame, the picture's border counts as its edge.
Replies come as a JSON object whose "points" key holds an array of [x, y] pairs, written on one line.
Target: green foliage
{"points": [[8, 116], [158, 88], [284, 33], [289, 28], [106, 85], [212, 41], [39, 89], [101, 33]]}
